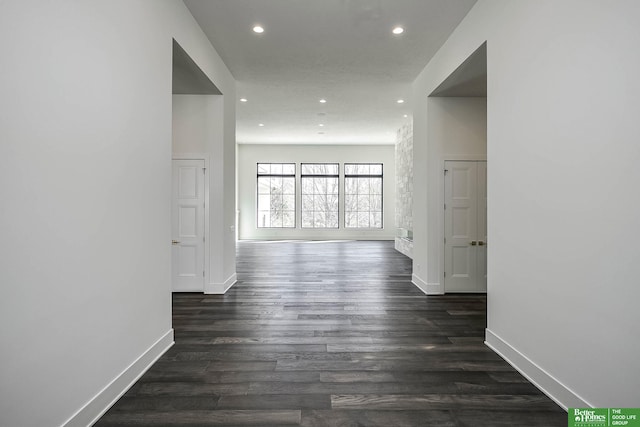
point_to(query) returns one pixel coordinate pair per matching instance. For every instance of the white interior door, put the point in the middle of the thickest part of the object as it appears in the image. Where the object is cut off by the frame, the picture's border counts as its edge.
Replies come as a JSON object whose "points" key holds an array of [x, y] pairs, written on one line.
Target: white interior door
{"points": [[187, 217], [465, 226]]}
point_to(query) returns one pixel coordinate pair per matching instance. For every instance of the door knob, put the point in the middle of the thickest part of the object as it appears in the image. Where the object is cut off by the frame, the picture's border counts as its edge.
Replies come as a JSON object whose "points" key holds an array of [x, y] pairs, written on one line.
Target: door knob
{"points": [[473, 243], [174, 242], [480, 243]]}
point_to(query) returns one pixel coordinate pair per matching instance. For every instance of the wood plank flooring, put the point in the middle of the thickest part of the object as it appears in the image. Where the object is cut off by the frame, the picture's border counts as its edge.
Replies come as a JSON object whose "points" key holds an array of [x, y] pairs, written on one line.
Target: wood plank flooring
{"points": [[330, 334]]}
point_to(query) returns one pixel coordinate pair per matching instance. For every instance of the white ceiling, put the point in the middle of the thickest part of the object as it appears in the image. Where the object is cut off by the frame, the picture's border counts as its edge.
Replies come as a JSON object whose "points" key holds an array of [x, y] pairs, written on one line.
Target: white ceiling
{"points": [[340, 50]]}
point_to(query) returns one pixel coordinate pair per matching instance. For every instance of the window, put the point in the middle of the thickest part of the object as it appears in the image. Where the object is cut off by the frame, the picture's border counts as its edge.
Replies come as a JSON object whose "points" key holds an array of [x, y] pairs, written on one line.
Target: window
{"points": [[319, 195], [276, 195], [363, 195]]}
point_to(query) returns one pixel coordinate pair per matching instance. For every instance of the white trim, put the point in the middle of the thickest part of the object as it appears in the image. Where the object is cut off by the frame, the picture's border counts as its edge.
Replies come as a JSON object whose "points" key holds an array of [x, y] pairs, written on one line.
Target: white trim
{"points": [[230, 282], [317, 236], [221, 288], [207, 233], [98, 405], [427, 288], [420, 284], [463, 158], [191, 156], [552, 387]]}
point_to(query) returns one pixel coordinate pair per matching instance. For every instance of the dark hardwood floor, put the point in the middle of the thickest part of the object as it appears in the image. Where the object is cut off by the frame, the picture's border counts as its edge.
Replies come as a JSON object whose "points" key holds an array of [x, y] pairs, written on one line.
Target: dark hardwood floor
{"points": [[330, 334]]}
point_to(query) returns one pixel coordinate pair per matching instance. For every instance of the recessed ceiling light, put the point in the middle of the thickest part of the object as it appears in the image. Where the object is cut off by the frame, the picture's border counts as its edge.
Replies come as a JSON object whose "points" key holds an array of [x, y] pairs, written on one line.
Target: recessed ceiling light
{"points": [[258, 29], [321, 125], [397, 30], [322, 101], [243, 99], [400, 101], [405, 116], [261, 124]]}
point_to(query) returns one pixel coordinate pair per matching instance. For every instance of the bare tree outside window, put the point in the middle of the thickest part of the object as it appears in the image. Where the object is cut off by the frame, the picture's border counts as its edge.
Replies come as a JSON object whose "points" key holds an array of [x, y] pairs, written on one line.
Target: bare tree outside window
{"points": [[363, 195], [320, 192], [276, 195]]}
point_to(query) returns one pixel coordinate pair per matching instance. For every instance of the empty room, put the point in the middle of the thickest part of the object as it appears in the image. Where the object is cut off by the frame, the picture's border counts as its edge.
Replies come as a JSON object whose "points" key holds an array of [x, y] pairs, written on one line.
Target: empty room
{"points": [[319, 213]]}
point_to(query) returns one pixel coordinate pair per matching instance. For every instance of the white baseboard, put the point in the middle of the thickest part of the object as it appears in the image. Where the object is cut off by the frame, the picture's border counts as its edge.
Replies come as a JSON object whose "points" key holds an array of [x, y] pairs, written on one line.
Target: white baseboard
{"points": [[549, 385], [101, 402], [221, 288], [229, 282], [322, 236], [427, 288]]}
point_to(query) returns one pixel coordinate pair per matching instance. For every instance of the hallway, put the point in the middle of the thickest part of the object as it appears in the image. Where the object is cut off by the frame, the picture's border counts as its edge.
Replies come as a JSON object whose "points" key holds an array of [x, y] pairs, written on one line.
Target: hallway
{"points": [[330, 334]]}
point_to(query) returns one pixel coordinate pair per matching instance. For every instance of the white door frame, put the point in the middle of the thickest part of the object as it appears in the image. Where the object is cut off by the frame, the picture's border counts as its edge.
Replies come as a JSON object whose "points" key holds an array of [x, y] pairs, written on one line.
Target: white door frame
{"points": [[207, 243], [446, 158]]}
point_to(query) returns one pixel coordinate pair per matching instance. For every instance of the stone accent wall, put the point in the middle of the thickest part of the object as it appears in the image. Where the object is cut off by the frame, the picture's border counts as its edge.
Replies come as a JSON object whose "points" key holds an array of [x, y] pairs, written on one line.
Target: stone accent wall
{"points": [[404, 246], [404, 189]]}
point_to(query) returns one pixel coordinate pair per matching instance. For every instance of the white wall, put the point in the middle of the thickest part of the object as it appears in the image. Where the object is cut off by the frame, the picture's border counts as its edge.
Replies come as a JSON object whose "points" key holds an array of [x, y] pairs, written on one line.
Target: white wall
{"points": [[198, 128], [85, 178], [562, 153], [250, 155], [194, 121]]}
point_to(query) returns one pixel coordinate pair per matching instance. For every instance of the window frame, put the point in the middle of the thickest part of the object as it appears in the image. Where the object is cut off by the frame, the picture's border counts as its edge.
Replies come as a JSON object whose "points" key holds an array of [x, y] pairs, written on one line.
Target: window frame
{"points": [[302, 193], [370, 175], [281, 175]]}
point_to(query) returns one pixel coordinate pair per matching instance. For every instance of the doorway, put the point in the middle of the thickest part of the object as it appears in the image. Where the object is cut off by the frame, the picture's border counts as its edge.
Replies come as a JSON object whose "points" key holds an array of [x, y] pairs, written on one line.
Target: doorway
{"points": [[465, 226], [457, 135], [197, 116]]}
